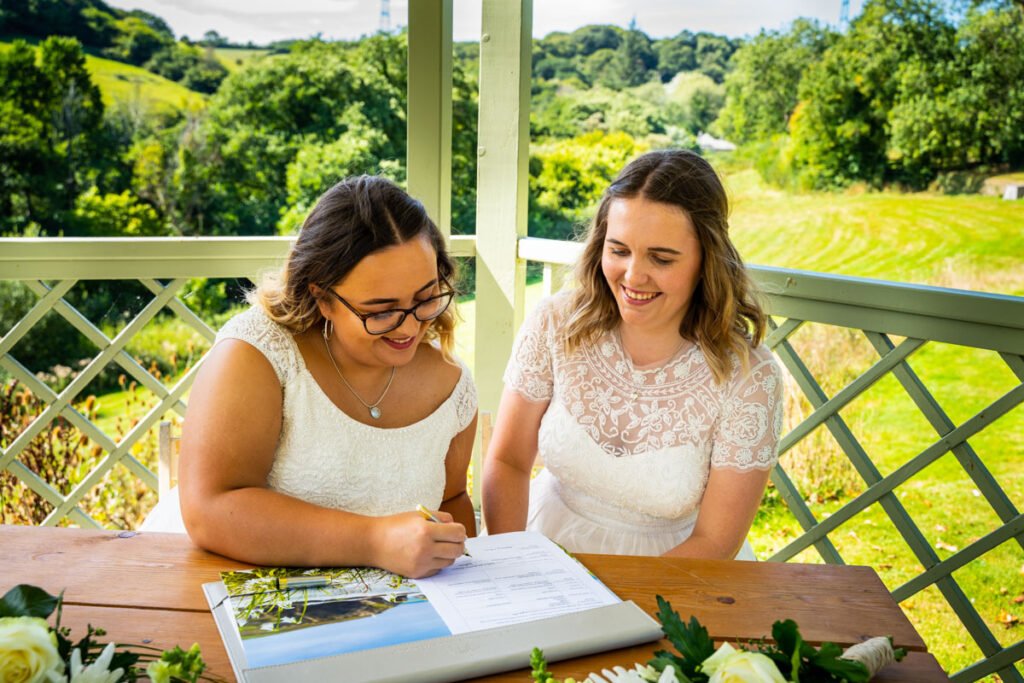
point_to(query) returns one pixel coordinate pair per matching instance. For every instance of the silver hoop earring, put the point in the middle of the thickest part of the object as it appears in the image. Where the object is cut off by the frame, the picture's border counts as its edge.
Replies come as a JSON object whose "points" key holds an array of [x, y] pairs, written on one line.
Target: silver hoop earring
{"points": [[328, 329]]}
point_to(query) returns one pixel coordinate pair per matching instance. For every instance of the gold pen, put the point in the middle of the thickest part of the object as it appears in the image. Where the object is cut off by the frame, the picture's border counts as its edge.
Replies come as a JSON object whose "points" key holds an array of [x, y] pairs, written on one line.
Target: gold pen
{"points": [[430, 517]]}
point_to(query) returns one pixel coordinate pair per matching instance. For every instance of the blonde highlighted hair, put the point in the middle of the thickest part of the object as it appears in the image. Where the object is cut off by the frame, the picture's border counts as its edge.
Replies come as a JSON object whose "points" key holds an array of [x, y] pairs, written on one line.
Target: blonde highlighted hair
{"points": [[353, 219], [724, 318]]}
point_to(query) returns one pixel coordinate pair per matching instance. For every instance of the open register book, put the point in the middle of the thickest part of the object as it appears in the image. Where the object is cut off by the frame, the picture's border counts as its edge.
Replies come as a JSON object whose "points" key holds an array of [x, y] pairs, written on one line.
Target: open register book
{"points": [[482, 615]]}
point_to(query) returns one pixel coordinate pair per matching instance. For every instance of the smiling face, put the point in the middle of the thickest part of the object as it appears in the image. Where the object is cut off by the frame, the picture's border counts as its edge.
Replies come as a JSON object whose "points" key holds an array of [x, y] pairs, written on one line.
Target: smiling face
{"points": [[395, 277], [651, 262]]}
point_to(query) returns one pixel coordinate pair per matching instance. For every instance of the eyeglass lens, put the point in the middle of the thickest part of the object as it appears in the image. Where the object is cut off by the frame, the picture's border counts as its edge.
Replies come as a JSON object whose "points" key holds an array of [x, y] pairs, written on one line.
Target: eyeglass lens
{"points": [[389, 320]]}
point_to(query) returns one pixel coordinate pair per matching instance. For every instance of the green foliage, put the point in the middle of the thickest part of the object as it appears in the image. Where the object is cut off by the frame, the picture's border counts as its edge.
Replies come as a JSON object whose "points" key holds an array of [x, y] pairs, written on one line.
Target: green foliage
{"points": [[136, 41], [113, 215], [28, 601], [319, 165], [196, 68], [232, 168], [766, 72], [52, 135], [691, 641], [699, 100], [567, 178], [908, 93]]}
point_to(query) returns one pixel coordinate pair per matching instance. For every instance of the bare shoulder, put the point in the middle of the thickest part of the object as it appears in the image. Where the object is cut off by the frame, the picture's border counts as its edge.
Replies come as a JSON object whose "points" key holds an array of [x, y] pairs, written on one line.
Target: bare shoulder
{"points": [[236, 367], [431, 366]]}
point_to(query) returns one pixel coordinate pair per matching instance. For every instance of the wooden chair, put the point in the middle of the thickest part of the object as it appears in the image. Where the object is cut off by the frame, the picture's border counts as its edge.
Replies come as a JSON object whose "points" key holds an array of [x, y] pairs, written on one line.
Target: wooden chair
{"points": [[168, 451]]}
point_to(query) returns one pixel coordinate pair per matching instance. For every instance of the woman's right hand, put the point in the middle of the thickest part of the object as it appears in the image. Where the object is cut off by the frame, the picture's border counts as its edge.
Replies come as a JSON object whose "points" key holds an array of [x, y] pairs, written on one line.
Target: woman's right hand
{"points": [[409, 545]]}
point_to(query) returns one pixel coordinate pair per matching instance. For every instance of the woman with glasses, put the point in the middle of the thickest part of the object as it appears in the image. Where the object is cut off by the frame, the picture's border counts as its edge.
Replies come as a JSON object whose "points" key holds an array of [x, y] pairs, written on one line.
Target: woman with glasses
{"points": [[330, 409], [645, 390]]}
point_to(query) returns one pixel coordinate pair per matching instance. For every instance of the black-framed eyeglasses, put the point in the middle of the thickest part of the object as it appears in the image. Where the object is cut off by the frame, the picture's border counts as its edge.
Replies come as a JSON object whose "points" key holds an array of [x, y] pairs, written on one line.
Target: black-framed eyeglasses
{"points": [[391, 319]]}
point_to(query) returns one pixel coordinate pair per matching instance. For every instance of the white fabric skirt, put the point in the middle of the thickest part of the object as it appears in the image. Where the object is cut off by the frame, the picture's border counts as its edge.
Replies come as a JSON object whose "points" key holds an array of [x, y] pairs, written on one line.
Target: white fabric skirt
{"points": [[582, 524], [166, 516]]}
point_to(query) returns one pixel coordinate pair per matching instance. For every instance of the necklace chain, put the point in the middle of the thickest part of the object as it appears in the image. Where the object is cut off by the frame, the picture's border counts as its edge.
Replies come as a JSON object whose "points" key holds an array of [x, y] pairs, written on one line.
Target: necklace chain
{"points": [[375, 411]]}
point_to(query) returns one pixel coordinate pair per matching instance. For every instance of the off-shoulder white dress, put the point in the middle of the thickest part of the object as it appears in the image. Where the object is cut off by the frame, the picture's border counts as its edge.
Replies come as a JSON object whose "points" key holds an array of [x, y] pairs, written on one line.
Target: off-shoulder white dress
{"points": [[627, 450], [327, 458]]}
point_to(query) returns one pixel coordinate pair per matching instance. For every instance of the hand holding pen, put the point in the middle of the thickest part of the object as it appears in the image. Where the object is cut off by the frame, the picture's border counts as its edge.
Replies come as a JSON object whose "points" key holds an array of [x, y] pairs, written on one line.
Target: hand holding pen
{"points": [[431, 517]]}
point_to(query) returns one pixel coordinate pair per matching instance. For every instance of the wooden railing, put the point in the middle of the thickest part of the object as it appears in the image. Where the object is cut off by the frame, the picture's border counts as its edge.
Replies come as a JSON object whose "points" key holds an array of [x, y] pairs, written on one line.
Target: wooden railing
{"points": [[898, 321]]}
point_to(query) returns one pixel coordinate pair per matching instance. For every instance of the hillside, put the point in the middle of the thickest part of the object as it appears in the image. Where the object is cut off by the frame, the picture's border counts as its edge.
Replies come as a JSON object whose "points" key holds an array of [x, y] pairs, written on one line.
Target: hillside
{"points": [[121, 82], [234, 58]]}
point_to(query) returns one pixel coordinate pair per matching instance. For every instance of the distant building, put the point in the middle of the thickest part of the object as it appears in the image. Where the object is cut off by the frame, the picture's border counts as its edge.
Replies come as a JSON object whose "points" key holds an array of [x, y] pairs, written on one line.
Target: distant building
{"points": [[710, 143]]}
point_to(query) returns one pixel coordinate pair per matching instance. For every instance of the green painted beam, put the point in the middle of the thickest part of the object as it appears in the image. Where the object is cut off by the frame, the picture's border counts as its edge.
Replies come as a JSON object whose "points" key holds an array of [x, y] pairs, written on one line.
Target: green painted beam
{"points": [[987, 321]]}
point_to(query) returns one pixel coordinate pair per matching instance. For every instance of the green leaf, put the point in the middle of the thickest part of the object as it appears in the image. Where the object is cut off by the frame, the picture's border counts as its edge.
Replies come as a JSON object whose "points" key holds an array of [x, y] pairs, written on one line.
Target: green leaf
{"points": [[27, 601], [827, 660], [664, 659], [539, 667], [692, 642]]}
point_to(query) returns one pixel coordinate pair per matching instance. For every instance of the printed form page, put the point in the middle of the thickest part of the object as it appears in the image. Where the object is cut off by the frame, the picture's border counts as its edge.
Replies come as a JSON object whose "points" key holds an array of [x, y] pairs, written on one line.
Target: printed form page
{"points": [[510, 579]]}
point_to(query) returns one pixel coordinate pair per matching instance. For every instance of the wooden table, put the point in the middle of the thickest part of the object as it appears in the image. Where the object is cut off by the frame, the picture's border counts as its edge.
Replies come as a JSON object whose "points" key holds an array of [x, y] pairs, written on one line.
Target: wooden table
{"points": [[145, 587]]}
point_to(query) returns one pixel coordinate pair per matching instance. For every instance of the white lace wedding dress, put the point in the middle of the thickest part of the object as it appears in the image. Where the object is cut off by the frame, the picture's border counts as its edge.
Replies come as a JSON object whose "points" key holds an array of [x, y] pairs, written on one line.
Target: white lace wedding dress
{"points": [[627, 450], [327, 458]]}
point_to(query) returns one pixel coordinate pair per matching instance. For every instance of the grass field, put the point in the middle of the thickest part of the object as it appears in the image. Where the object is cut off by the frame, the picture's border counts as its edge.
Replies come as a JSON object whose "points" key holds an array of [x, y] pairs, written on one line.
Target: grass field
{"points": [[234, 58], [135, 86]]}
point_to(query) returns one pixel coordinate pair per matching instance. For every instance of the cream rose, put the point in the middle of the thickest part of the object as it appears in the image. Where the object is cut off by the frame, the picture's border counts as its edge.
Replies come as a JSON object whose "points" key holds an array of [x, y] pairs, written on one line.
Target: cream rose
{"points": [[28, 651], [729, 665]]}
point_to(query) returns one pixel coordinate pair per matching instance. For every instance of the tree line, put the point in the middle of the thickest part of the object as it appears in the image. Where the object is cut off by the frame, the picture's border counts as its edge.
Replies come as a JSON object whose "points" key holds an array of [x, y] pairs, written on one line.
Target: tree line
{"points": [[915, 89]]}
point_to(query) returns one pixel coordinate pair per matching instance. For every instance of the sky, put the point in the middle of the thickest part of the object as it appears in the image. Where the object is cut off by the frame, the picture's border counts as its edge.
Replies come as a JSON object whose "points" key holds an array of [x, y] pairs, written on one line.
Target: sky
{"points": [[263, 21]]}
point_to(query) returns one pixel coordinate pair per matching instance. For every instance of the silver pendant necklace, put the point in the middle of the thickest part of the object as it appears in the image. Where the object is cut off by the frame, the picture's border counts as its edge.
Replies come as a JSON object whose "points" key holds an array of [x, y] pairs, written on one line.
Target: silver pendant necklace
{"points": [[374, 407]]}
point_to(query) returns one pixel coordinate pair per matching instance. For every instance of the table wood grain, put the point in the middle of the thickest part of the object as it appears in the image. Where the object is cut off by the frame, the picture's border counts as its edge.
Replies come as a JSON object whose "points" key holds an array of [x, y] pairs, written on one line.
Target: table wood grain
{"points": [[146, 587]]}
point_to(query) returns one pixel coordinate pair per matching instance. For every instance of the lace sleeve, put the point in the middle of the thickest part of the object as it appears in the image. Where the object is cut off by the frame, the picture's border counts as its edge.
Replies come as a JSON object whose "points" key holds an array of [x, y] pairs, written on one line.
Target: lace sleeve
{"points": [[747, 433], [274, 342], [528, 372], [465, 398]]}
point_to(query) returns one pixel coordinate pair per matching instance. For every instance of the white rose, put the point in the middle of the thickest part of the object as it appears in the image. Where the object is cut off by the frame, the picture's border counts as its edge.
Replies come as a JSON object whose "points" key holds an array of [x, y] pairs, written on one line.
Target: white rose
{"points": [[28, 651], [729, 665]]}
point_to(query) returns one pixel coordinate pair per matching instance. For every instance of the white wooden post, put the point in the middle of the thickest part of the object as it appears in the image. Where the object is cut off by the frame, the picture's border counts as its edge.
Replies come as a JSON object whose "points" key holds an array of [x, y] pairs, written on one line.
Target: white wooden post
{"points": [[430, 108], [502, 185]]}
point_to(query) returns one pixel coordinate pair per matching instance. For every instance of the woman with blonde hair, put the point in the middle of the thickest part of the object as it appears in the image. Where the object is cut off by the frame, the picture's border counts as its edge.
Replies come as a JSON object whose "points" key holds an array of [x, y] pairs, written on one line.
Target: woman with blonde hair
{"points": [[645, 390], [331, 408]]}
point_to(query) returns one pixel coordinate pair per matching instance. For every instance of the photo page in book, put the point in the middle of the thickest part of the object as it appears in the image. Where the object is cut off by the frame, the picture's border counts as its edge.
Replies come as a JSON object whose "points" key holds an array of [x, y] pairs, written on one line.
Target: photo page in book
{"points": [[508, 579]]}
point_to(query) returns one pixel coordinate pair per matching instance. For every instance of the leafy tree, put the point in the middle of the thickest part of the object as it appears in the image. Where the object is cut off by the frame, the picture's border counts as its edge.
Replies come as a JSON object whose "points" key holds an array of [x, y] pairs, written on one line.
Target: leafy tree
{"points": [[263, 115], [596, 37], [136, 41], [676, 54], [567, 178], [963, 110], [713, 53], [53, 117], [761, 90], [699, 100], [113, 215], [634, 59], [600, 67], [320, 165], [840, 130]]}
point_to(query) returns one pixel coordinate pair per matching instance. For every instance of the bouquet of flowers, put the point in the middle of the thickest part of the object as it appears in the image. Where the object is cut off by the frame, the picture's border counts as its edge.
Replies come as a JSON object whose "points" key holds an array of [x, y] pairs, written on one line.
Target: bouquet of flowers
{"points": [[32, 651], [787, 659]]}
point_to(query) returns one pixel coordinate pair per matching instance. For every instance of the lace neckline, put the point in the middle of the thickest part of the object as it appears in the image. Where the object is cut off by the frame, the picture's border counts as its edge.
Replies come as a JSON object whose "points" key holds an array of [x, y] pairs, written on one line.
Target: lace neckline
{"points": [[609, 359]]}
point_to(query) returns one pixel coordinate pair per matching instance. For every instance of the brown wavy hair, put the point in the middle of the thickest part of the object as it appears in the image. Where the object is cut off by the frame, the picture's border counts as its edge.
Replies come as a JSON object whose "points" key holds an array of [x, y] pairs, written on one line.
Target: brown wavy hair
{"points": [[724, 317], [350, 221]]}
